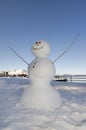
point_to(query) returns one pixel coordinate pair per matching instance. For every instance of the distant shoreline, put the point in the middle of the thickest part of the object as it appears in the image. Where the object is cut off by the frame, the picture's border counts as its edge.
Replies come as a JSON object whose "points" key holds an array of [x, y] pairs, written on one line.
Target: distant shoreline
{"points": [[71, 78]]}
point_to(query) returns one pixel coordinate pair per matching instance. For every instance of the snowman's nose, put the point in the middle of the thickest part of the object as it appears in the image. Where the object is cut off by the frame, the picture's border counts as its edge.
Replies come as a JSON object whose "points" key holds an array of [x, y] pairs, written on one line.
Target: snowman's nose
{"points": [[38, 43]]}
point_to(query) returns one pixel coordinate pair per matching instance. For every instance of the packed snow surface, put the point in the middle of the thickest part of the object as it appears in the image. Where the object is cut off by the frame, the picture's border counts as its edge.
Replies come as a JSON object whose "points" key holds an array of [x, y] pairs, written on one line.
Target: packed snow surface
{"points": [[70, 116]]}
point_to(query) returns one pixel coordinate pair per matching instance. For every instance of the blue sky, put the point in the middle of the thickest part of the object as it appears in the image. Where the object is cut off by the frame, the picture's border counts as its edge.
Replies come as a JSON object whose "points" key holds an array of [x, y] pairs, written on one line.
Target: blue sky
{"points": [[22, 22]]}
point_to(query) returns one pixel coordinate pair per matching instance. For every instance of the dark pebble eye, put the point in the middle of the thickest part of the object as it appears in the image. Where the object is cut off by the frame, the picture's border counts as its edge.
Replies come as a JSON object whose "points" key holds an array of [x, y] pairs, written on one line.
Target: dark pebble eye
{"points": [[33, 66], [39, 41]]}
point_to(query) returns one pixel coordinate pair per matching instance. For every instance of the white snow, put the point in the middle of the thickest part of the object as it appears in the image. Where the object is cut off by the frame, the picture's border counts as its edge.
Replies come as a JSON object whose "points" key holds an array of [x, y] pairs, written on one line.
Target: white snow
{"points": [[70, 116], [41, 49], [40, 93]]}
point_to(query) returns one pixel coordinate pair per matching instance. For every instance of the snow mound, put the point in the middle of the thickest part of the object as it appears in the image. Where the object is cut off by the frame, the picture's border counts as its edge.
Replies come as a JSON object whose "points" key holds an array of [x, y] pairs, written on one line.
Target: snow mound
{"points": [[70, 116]]}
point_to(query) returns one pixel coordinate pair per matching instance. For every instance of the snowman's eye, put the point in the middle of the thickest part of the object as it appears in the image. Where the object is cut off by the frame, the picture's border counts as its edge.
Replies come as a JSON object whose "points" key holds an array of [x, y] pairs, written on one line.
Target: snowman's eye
{"points": [[39, 42], [33, 66]]}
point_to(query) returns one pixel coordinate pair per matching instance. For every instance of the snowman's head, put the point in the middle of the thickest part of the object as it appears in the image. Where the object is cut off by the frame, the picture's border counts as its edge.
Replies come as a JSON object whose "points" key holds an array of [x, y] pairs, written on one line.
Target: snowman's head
{"points": [[41, 49]]}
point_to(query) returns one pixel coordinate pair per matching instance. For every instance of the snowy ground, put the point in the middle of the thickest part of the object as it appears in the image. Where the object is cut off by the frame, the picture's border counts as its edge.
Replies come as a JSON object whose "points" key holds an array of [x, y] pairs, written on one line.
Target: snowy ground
{"points": [[71, 115]]}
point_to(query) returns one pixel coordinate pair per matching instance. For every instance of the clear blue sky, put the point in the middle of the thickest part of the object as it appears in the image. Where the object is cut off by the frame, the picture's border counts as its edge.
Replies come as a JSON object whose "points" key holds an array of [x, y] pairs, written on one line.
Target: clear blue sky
{"points": [[22, 22]]}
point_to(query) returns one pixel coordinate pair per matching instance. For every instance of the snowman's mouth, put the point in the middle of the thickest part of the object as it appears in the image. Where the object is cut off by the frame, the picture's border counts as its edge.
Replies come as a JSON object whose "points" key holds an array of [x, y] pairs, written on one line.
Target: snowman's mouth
{"points": [[37, 48]]}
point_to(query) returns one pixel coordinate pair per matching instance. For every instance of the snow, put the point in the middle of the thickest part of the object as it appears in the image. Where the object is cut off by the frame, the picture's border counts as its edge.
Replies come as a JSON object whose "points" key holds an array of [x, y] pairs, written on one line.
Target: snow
{"points": [[40, 93], [70, 116], [41, 49]]}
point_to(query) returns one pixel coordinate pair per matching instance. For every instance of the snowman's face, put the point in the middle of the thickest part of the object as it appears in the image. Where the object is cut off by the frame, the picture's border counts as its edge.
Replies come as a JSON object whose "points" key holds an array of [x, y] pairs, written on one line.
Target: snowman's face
{"points": [[41, 49]]}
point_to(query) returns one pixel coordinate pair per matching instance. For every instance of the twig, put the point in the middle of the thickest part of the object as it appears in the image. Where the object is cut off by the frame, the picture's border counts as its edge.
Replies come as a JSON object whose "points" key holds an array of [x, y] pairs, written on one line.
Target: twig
{"points": [[67, 48], [18, 55]]}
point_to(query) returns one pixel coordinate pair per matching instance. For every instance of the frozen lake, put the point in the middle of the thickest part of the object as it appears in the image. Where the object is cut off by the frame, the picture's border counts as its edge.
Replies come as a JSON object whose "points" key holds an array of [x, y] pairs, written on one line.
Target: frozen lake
{"points": [[71, 115]]}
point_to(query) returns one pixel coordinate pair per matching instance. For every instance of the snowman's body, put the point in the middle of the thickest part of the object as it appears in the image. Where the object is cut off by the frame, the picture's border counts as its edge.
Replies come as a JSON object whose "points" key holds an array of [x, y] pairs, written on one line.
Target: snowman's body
{"points": [[41, 71]]}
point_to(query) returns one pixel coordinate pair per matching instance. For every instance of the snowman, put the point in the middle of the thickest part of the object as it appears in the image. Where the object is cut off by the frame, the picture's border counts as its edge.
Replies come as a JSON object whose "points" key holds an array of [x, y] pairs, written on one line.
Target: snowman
{"points": [[40, 93]]}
